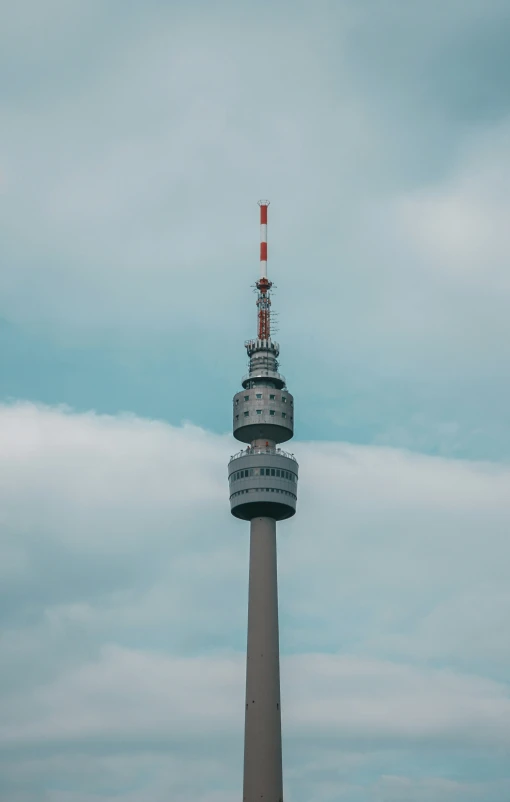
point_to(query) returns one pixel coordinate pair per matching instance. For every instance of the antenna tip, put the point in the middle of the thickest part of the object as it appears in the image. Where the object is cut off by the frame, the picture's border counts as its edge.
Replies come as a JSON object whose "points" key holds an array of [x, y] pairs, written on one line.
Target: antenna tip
{"points": [[263, 203]]}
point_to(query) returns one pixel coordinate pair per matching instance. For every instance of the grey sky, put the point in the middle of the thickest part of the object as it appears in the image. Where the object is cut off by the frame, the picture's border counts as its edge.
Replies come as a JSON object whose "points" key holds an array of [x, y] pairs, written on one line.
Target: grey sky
{"points": [[134, 144]]}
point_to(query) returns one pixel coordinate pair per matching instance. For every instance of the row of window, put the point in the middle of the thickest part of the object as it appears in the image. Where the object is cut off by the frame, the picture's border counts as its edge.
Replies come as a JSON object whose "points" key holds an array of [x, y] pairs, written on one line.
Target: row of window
{"points": [[264, 490], [277, 472], [260, 411], [272, 397]]}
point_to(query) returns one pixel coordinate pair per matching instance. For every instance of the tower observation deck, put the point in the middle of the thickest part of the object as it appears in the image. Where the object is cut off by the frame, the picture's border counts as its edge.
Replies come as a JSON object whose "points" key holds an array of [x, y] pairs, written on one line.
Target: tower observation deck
{"points": [[263, 490]]}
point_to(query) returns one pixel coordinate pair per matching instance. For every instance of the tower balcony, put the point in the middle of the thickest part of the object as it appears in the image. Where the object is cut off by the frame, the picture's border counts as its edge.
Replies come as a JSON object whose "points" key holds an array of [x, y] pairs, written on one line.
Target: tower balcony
{"points": [[263, 482]]}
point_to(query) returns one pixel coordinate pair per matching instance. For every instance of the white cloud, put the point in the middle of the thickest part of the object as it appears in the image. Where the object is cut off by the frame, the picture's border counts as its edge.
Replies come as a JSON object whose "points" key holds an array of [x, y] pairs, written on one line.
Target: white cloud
{"points": [[445, 246], [146, 696], [402, 789], [460, 225], [170, 468], [128, 145], [129, 594]]}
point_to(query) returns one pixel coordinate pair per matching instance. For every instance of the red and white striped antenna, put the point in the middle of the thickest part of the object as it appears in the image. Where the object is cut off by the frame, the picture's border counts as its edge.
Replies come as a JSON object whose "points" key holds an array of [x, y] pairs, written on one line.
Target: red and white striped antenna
{"points": [[263, 237], [263, 284]]}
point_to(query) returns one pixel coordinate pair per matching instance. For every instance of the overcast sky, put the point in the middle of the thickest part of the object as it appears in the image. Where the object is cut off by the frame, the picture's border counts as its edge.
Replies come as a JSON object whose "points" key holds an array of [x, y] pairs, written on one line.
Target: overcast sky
{"points": [[135, 141]]}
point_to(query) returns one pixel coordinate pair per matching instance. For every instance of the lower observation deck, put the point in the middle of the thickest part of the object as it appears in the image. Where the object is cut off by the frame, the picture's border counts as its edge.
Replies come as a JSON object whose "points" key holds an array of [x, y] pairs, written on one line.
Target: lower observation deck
{"points": [[263, 482]]}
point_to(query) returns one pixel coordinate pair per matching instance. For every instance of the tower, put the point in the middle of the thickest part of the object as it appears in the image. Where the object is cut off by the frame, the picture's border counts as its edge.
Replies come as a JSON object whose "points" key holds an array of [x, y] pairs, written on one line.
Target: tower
{"points": [[263, 490]]}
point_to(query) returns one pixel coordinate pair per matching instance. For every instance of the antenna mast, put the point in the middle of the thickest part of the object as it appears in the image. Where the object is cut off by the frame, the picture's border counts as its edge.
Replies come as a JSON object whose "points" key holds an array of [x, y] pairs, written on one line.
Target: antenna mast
{"points": [[263, 284]]}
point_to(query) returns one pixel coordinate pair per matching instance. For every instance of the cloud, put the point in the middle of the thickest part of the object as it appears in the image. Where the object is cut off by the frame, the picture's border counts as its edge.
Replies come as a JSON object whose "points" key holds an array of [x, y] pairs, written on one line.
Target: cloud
{"points": [[400, 789], [130, 694], [127, 590], [134, 146]]}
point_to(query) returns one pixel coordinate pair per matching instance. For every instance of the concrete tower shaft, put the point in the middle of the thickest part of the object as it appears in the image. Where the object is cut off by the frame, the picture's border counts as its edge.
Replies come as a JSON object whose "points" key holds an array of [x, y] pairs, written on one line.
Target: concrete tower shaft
{"points": [[263, 489], [262, 723]]}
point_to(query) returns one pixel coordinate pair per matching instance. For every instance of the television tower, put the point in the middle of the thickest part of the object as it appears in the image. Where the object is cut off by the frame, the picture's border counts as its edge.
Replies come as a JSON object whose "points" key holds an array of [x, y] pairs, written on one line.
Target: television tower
{"points": [[263, 490]]}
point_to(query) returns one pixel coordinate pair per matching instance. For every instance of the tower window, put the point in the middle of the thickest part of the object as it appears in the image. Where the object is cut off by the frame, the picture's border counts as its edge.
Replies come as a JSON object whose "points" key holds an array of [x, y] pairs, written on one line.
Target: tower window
{"points": [[237, 401], [284, 414], [272, 397], [272, 472], [259, 412], [246, 397], [271, 411], [237, 417], [284, 399], [258, 395], [277, 472]]}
